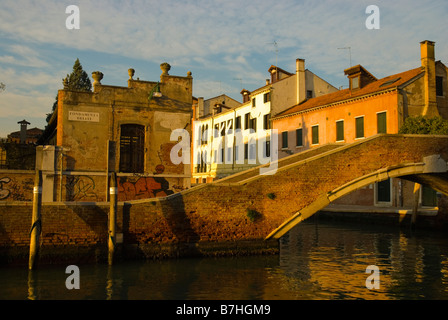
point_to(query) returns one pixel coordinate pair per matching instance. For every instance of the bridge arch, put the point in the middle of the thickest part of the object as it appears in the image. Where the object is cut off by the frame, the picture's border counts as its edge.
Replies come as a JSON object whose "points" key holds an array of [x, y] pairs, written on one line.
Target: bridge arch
{"points": [[432, 172], [303, 184]]}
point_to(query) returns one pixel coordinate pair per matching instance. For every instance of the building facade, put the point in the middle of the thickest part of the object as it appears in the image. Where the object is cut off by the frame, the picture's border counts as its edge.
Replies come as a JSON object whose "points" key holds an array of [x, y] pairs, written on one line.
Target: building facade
{"points": [[126, 130], [368, 107], [234, 137]]}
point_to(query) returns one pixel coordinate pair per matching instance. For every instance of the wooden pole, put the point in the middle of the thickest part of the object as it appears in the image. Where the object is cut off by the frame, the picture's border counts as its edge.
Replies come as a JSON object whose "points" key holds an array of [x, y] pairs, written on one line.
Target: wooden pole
{"points": [[417, 188], [35, 221], [112, 217]]}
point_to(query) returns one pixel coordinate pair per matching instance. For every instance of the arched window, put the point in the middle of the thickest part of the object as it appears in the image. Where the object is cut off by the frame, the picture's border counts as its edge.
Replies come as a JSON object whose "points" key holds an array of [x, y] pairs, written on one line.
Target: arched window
{"points": [[132, 142]]}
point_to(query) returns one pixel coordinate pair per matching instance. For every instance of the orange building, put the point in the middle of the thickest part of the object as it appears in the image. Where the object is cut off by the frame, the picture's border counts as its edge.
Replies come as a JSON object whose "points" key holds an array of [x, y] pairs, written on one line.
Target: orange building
{"points": [[368, 107]]}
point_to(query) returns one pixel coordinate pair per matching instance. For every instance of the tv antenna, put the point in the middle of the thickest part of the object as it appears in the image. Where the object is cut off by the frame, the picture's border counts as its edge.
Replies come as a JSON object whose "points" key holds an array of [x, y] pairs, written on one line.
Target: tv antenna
{"points": [[276, 57], [276, 52], [350, 53]]}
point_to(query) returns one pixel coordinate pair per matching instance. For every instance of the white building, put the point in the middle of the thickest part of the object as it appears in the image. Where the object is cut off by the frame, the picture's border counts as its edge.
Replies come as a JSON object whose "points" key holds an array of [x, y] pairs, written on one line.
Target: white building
{"points": [[229, 137]]}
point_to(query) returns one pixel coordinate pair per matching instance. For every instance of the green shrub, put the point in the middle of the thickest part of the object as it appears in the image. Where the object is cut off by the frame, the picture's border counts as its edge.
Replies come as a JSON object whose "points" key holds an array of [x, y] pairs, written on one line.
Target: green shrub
{"points": [[253, 214], [271, 196], [424, 125]]}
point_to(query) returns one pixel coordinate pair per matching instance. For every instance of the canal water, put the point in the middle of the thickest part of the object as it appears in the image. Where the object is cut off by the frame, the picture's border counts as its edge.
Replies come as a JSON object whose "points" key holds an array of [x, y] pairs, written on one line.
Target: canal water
{"points": [[317, 260]]}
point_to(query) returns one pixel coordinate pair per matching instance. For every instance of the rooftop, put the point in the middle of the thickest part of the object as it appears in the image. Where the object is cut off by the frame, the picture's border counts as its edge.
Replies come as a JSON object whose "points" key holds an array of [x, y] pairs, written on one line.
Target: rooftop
{"points": [[384, 84]]}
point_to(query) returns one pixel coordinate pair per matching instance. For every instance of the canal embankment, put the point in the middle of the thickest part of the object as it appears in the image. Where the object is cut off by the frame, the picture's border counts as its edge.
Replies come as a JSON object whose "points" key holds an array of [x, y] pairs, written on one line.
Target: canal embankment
{"points": [[151, 229]]}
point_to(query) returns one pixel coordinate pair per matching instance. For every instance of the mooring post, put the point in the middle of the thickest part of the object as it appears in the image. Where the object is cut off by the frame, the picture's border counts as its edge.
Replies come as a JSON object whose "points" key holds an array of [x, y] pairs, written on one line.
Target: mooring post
{"points": [[36, 226], [417, 187], [112, 217]]}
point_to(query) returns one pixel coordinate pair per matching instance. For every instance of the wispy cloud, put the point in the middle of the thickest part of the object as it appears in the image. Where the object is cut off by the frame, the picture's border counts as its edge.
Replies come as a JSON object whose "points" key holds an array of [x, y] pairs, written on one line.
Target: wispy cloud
{"points": [[219, 41], [22, 55]]}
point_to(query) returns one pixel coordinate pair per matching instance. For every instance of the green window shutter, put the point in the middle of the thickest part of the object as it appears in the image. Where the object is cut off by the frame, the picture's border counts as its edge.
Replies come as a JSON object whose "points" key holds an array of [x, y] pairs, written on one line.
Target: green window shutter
{"points": [[315, 135], [360, 127], [381, 122], [299, 138], [285, 139], [339, 130]]}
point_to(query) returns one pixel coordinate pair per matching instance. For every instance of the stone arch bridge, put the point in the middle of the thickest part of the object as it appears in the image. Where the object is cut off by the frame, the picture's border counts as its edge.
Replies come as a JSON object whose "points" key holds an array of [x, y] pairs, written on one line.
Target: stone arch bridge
{"points": [[248, 206]]}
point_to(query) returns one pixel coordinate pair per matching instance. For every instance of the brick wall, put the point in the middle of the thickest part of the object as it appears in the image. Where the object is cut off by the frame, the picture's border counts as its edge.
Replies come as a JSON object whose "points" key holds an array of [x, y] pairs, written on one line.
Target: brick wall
{"points": [[211, 217], [16, 185]]}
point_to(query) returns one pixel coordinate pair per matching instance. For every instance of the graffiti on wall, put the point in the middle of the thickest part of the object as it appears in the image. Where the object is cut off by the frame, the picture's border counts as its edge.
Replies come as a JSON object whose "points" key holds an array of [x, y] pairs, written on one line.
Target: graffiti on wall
{"points": [[15, 190], [4, 193], [80, 188], [130, 188]]}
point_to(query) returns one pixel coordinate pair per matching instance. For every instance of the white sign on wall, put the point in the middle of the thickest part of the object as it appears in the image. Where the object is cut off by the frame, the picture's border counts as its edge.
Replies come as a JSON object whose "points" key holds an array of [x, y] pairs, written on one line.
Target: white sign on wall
{"points": [[84, 116]]}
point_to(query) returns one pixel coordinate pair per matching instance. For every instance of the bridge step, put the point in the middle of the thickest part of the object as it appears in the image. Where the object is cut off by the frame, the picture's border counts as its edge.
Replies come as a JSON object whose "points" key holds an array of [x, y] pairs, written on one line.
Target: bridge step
{"points": [[250, 173]]}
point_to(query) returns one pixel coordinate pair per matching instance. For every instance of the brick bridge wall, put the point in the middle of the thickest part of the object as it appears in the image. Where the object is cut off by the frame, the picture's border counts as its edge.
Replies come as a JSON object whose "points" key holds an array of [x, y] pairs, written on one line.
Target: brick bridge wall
{"points": [[210, 218]]}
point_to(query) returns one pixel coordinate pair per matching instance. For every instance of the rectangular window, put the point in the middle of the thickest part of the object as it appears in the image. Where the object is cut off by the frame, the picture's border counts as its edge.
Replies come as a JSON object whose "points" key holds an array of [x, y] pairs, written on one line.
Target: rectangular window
{"points": [[381, 122], [132, 144], [223, 129], [230, 126], [253, 124], [238, 122], [439, 86], [246, 120], [429, 197], [355, 83], [216, 133], [383, 189], [229, 155], [222, 155], [309, 94], [267, 121], [267, 97], [340, 130], [267, 149], [315, 134], [253, 102], [206, 134], [246, 151], [299, 137], [359, 122], [252, 151], [285, 139]]}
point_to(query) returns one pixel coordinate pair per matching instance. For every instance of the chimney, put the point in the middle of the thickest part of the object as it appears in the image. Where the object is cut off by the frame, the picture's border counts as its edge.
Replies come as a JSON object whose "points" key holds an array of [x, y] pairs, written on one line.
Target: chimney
{"points": [[429, 66], [23, 126], [200, 108], [300, 76], [246, 95]]}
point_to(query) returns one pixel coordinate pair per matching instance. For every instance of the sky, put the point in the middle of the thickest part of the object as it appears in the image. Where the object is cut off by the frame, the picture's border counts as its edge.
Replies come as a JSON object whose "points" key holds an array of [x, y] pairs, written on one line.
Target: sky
{"points": [[227, 45]]}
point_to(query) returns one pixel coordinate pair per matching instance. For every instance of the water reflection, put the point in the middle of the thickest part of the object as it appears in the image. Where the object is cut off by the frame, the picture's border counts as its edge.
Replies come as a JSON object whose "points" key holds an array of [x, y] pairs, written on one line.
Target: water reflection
{"points": [[32, 285], [334, 259], [316, 261]]}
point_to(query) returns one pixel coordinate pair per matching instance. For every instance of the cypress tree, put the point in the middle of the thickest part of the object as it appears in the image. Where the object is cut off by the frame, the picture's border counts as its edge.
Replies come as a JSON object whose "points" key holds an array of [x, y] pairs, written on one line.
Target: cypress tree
{"points": [[78, 80]]}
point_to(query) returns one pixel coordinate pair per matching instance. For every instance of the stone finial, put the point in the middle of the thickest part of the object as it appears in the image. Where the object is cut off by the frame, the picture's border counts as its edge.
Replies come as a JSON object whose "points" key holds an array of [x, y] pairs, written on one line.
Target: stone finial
{"points": [[189, 74], [165, 68], [131, 73], [97, 77]]}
